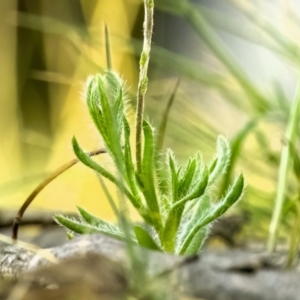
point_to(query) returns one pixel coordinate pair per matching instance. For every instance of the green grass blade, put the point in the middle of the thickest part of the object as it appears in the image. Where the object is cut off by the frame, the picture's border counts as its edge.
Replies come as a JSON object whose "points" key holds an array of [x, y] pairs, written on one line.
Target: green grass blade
{"points": [[164, 119], [284, 168], [107, 49], [236, 147]]}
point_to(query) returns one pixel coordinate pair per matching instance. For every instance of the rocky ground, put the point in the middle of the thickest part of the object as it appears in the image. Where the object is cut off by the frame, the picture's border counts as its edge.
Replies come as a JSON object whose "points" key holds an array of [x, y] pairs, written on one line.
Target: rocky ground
{"points": [[98, 267]]}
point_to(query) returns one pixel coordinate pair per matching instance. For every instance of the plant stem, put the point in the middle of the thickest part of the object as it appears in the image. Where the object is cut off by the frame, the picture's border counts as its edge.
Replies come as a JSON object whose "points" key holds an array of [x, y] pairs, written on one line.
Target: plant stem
{"points": [[290, 135], [143, 79], [41, 186]]}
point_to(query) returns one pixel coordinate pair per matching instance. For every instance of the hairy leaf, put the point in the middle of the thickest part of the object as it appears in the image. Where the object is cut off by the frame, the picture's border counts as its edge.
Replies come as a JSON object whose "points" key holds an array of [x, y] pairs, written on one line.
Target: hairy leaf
{"points": [[99, 223], [81, 227], [229, 200], [187, 178], [85, 159], [173, 175], [223, 155], [145, 239], [149, 189], [198, 190], [202, 207]]}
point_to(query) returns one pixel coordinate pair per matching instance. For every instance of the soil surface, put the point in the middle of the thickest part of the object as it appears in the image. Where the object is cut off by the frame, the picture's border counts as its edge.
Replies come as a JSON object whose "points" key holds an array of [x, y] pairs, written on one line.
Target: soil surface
{"points": [[98, 267]]}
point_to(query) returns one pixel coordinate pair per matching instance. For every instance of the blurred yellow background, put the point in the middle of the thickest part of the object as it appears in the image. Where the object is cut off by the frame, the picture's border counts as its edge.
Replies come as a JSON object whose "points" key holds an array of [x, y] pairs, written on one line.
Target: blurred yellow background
{"points": [[47, 50]]}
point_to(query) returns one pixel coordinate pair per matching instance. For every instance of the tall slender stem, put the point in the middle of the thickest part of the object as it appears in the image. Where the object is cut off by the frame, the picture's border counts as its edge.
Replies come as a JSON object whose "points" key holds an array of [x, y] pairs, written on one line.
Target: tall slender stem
{"points": [[164, 118], [41, 186], [290, 135], [143, 79], [107, 49]]}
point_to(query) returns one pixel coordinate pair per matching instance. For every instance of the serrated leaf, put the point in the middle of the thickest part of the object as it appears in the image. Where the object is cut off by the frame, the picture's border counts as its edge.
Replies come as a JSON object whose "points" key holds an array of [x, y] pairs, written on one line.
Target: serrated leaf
{"points": [[145, 239]]}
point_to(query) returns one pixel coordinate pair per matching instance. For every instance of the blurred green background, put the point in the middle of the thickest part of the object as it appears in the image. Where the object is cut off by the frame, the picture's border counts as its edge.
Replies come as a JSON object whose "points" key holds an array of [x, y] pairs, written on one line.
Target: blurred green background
{"points": [[237, 64]]}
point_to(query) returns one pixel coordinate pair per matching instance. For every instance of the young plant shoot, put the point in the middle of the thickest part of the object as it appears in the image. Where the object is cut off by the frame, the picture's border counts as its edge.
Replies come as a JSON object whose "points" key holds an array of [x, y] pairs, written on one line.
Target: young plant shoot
{"points": [[177, 210]]}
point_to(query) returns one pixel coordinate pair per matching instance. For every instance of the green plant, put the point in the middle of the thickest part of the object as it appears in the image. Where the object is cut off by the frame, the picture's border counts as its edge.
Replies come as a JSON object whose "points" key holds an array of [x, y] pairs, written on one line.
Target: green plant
{"points": [[258, 103], [175, 206]]}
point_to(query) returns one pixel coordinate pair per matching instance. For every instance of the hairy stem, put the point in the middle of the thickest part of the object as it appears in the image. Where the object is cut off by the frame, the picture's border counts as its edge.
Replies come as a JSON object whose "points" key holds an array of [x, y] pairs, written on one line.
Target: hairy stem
{"points": [[143, 79]]}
